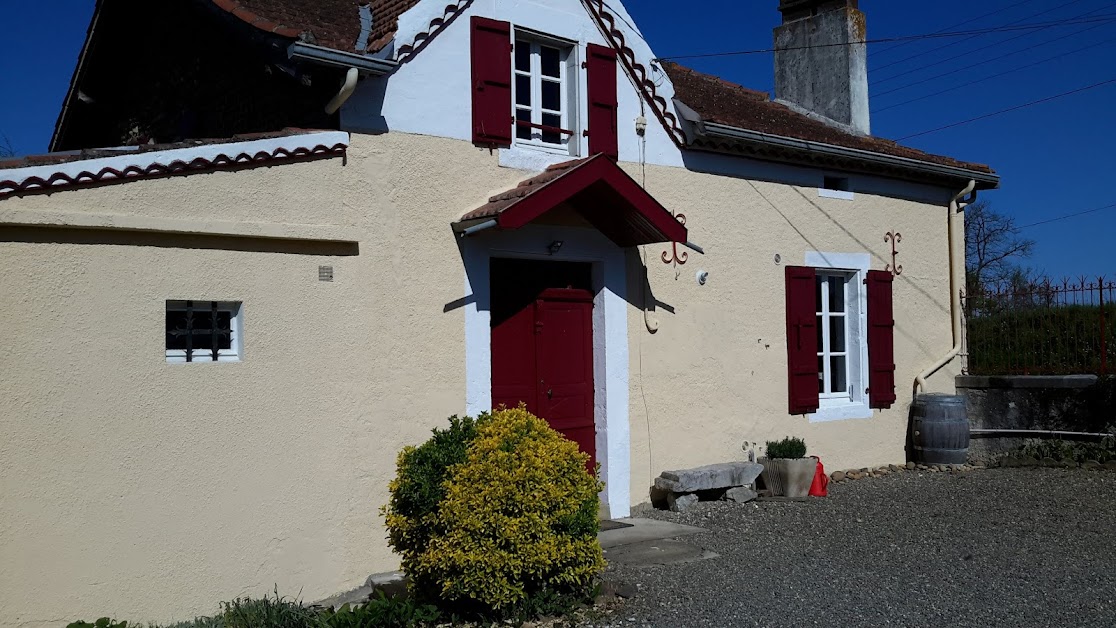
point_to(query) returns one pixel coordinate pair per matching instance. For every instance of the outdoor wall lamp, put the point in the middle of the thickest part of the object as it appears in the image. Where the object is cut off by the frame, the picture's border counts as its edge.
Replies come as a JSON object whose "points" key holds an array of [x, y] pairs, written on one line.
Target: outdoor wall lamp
{"points": [[555, 246]]}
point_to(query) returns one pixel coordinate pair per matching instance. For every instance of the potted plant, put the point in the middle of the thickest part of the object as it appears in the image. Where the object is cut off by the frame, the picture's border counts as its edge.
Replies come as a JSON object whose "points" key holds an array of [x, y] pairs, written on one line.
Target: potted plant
{"points": [[786, 469]]}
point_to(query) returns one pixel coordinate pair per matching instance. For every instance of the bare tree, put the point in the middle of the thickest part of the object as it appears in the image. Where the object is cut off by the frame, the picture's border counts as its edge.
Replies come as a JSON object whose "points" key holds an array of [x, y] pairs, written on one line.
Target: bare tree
{"points": [[993, 247], [6, 149]]}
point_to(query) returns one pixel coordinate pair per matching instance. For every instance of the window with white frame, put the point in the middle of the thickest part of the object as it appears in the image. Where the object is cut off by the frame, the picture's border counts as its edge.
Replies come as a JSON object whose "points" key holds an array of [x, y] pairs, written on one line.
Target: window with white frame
{"points": [[543, 94], [203, 331], [833, 335], [842, 332]]}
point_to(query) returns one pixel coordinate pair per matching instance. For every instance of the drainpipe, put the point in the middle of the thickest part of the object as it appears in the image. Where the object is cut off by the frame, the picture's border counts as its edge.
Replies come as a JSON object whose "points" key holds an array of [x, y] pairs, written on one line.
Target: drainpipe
{"points": [[957, 204], [346, 91]]}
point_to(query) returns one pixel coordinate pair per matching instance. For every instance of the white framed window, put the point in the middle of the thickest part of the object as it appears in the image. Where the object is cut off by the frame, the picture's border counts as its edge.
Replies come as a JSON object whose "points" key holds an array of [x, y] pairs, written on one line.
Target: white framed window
{"points": [[833, 292], [543, 94], [203, 331], [836, 187], [842, 307]]}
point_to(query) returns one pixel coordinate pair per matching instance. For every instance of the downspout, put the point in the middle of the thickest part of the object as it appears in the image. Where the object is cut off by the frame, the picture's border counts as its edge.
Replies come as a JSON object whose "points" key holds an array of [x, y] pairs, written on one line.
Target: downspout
{"points": [[347, 90], [957, 204]]}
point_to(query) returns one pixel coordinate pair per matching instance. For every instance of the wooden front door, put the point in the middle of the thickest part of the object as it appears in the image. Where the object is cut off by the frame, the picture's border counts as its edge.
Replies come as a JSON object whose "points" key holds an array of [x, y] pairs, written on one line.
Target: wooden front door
{"points": [[542, 355]]}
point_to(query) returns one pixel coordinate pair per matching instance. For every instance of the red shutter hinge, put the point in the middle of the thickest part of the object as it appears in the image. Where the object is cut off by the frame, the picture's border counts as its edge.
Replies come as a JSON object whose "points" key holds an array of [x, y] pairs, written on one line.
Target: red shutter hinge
{"points": [[585, 133]]}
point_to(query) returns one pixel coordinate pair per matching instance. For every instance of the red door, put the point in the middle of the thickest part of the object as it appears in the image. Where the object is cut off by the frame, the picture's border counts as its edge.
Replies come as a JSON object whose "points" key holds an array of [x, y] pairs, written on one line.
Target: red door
{"points": [[542, 355]]}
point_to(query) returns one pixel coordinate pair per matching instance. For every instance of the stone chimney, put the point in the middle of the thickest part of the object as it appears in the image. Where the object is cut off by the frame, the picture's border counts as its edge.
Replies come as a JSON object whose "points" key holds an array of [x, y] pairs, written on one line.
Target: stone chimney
{"points": [[815, 76]]}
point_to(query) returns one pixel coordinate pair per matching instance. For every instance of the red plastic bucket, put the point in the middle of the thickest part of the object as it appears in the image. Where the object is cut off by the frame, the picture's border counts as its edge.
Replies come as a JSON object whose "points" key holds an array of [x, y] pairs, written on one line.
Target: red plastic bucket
{"points": [[821, 481]]}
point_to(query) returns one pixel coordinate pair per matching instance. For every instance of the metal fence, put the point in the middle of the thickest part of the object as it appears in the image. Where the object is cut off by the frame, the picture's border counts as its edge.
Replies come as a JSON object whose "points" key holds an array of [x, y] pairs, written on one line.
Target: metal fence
{"points": [[1047, 328]]}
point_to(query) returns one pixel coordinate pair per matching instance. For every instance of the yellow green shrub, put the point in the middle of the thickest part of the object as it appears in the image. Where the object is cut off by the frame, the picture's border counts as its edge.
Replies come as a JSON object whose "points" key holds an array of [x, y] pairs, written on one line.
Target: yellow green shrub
{"points": [[419, 488], [517, 527]]}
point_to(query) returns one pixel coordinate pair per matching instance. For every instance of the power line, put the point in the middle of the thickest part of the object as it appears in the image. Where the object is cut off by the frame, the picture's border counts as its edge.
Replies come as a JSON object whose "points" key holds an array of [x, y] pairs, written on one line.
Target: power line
{"points": [[992, 45], [1010, 109], [969, 21], [1108, 17], [993, 76], [1074, 215], [1033, 15]]}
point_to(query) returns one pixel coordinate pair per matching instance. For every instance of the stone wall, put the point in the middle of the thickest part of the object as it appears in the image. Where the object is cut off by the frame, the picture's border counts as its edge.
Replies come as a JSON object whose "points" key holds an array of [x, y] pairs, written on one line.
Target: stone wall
{"points": [[1071, 403]]}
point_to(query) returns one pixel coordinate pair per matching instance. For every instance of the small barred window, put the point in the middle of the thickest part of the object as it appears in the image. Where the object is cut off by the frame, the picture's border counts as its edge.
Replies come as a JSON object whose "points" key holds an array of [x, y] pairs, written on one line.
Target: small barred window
{"points": [[203, 331]]}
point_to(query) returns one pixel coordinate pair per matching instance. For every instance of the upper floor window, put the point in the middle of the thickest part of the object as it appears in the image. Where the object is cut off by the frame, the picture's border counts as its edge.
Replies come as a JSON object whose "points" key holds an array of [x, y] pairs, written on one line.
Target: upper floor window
{"points": [[527, 91], [543, 112]]}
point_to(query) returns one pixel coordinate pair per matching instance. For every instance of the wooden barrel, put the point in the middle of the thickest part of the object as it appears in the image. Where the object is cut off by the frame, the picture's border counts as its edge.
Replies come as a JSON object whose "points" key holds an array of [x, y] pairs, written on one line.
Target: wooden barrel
{"points": [[939, 429]]}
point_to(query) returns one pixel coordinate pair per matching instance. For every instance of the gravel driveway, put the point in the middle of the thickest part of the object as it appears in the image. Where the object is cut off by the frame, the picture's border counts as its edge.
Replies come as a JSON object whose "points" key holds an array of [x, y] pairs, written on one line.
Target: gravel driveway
{"points": [[997, 547]]}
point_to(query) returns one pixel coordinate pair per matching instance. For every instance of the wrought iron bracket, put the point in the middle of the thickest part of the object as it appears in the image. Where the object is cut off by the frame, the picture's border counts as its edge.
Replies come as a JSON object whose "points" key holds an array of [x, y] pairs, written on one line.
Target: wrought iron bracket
{"points": [[894, 238], [673, 256]]}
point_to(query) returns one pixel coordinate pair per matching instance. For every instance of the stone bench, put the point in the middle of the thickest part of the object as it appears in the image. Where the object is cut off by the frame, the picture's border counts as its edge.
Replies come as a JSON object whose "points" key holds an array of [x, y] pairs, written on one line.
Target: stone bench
{"points": [[731, 481]]}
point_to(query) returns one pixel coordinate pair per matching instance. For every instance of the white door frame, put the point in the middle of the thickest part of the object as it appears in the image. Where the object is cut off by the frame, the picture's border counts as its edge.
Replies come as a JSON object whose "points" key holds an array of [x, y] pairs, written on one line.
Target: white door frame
{"points": [[610, 335]]}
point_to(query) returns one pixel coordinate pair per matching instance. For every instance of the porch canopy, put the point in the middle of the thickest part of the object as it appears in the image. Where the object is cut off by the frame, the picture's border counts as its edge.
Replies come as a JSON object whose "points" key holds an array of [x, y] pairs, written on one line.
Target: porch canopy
{"points": [[596, 189]]}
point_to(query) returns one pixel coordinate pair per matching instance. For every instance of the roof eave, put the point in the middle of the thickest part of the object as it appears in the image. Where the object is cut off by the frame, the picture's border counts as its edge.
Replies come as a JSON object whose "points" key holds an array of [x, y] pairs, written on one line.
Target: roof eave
{"points": [[70, 91], [339, 58], [808, 151]]}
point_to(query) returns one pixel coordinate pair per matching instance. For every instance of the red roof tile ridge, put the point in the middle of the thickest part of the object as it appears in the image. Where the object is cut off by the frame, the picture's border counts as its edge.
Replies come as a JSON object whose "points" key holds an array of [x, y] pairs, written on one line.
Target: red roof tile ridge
{"points": [[529, 186], [61, 179], [637, 71], [419, 41]]}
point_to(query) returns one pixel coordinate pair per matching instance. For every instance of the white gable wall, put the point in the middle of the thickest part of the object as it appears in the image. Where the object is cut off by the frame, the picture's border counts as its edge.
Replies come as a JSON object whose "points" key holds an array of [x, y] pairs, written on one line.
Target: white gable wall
{"points": [[431, 92]]}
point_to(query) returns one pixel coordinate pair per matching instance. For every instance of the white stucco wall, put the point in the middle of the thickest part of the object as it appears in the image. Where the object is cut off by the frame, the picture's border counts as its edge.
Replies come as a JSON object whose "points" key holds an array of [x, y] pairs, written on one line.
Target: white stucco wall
{"points": [[431, 92]]}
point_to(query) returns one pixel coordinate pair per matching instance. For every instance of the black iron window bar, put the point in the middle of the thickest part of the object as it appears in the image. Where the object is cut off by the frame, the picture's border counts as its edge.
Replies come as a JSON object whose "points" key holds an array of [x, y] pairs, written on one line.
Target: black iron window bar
{"points": [[193, 328]]}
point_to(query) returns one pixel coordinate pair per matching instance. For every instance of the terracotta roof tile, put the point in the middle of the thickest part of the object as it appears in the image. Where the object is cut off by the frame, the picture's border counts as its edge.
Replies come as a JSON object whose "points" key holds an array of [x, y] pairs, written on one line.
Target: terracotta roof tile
{"points": [[717, 100], [503, 200], [59, 179], [330, 23]]}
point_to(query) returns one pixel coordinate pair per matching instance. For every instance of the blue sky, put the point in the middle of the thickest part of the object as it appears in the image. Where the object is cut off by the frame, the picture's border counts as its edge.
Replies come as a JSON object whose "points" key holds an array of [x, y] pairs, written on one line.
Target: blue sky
{"points": [[1055, 158]]}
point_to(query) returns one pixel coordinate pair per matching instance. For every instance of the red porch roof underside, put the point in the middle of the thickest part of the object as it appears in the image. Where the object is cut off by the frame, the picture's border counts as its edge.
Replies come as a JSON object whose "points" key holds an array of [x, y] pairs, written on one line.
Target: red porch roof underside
{"points": [[596, 188]]}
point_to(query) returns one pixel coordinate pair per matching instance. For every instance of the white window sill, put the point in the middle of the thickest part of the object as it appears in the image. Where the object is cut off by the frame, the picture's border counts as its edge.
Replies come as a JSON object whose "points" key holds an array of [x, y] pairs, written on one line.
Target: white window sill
{"points": [[838, 194], [200, 357], [533, 158], [840, 411]]}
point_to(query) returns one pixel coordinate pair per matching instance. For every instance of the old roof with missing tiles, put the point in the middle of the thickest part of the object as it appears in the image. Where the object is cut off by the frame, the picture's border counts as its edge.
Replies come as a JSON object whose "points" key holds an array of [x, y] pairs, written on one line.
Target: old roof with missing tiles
{"points": [[720, 101], [330, 23]]}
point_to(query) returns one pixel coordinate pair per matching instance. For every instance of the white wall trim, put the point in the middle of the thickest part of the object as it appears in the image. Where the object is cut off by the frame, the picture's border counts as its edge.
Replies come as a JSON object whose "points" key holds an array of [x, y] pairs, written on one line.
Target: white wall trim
{"points": [[859, 263], [101, 169], [610, 336], [843, 195]]}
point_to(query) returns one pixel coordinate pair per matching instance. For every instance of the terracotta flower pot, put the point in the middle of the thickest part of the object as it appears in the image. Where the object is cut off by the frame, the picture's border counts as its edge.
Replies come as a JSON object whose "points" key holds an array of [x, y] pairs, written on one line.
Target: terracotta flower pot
{"points": [[789, 477]]}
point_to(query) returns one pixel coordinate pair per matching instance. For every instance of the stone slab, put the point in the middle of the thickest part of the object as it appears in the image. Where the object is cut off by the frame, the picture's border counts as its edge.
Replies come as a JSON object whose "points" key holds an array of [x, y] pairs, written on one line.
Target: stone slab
{"points": [[661, 552], [356, 597], [681, 502], [740, 495], [645, 530], [713, 476]]}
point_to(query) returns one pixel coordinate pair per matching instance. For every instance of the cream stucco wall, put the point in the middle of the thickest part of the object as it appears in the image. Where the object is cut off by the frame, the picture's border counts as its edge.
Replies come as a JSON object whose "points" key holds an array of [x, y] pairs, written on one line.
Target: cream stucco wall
{"points": [[714, 375], [151, 491]]}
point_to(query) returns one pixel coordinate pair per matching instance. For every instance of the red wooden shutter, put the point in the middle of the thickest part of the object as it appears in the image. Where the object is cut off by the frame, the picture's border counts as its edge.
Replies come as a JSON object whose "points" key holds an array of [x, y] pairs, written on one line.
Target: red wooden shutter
{"points": [[601, 69], [802, 339], [492, 76], [881, 340]]}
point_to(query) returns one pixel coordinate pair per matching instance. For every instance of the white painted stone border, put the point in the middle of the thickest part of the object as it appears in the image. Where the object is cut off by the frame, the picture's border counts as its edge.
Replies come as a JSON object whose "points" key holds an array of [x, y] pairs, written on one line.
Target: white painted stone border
{"points": [[131, 159], [610, 336], [860, 263]]}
